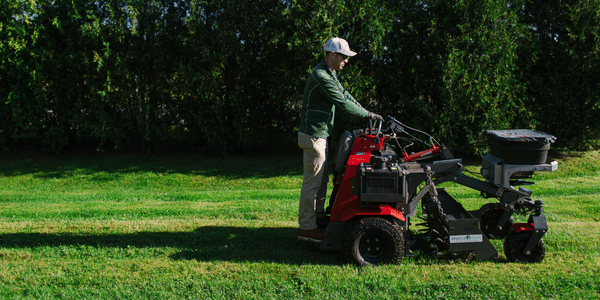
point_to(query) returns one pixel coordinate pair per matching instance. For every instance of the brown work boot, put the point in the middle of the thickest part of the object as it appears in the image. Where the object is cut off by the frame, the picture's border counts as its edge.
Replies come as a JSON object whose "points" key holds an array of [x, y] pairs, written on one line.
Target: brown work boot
{"points": [[315, 235]]}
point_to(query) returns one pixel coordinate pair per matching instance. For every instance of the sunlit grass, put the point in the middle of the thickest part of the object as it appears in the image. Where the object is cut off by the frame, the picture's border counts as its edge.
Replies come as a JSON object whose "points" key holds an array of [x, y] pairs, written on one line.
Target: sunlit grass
{"points": [[129, 226]]}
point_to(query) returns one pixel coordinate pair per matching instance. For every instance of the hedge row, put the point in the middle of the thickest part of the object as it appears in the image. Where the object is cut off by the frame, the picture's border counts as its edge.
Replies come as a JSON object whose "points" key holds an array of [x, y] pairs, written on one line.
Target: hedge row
{"points": [[228, 75]]}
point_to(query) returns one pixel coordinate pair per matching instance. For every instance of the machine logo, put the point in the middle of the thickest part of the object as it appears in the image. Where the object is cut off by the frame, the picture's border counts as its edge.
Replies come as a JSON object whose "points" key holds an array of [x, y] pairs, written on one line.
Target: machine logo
{"points": [[469, 238]]}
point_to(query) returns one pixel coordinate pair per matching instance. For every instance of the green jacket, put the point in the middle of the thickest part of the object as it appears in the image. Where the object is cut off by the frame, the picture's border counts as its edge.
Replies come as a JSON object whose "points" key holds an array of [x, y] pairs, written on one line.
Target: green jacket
{"points": [[322, 94]]}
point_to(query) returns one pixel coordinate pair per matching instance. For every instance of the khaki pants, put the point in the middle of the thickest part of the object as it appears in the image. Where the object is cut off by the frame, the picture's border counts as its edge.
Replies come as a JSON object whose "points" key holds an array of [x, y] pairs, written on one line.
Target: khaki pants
{"points": [[314, 182]]}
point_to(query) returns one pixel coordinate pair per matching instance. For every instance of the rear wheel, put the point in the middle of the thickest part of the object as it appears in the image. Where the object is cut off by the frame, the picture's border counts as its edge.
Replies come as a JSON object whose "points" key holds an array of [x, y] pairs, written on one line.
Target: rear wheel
{"points": [[515, 243], [373, 241]]}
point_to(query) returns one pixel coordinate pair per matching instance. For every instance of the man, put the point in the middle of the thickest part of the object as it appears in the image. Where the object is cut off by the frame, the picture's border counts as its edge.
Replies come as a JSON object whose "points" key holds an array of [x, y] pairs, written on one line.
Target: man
{"points": [[322, 95]]}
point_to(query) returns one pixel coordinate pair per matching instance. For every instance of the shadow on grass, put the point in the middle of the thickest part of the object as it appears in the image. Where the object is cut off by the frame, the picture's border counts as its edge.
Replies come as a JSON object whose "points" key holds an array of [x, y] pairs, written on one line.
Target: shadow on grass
{"points": [[112, 166], [233, 244], [214, 244]]}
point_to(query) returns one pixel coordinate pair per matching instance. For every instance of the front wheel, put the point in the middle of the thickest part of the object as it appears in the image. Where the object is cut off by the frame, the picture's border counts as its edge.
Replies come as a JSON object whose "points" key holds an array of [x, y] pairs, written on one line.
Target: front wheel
{"points": [[373, 241], [515, 243]]}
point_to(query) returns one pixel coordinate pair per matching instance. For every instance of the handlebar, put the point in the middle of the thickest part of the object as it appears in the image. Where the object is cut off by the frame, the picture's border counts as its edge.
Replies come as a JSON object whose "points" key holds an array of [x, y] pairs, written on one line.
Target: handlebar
{"points": [[371, 128]]}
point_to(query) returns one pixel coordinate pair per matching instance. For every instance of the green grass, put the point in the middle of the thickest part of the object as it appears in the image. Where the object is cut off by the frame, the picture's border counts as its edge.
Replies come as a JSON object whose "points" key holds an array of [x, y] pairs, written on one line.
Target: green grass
{"points": [[187, 226]]}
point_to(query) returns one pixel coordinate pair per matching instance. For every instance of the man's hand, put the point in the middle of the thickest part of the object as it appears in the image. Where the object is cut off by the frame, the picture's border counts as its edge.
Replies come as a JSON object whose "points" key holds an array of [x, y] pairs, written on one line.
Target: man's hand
{"points": [[374, 116]]}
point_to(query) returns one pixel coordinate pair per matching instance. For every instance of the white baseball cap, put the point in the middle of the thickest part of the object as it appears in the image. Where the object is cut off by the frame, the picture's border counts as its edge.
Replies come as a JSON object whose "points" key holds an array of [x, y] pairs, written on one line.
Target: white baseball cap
{"points": [[340, 46]]}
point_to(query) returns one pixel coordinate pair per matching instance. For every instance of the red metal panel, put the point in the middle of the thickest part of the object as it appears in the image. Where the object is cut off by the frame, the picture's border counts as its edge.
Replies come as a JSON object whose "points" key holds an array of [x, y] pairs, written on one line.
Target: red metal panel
{"points": [[346, 205], [518, 227]]}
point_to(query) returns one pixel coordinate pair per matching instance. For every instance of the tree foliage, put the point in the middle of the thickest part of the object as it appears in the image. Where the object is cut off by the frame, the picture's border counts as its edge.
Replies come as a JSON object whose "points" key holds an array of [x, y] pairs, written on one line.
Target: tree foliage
{"points": [[228, 75]]}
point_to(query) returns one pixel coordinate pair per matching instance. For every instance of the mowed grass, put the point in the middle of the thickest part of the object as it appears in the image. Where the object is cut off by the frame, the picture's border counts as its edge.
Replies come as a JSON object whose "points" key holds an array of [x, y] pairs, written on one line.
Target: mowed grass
{"points": [[188, 226]]}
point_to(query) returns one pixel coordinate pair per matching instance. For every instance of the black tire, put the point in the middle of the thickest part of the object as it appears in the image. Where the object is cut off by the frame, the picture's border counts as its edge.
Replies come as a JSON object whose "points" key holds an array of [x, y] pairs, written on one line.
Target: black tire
{"points": [[488, 221], [373, 241], [516, 242]]}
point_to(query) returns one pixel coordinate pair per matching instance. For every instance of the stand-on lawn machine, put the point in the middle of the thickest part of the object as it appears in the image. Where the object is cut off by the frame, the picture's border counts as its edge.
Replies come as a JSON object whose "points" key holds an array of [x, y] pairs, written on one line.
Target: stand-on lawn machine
{"points": [[378, 186]]}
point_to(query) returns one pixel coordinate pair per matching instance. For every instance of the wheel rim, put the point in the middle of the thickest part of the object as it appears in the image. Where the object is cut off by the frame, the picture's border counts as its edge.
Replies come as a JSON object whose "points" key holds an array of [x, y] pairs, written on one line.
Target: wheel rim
{"points": [[533, 255], [373, 247], [489, 220], [519, 253]]}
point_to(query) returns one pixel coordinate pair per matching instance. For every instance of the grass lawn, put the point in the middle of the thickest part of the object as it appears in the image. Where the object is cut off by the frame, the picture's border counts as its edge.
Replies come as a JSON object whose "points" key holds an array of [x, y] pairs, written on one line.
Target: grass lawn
{"points": [[187, 226]]}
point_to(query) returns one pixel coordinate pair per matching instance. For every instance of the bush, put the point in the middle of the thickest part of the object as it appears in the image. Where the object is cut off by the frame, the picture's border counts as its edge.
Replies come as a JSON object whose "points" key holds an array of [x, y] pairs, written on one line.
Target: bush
{"points": [[228, 75]]}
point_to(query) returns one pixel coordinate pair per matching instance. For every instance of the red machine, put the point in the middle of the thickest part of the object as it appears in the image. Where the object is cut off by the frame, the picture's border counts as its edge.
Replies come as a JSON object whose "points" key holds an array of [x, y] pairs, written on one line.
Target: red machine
{"points": [[378, 186]]}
